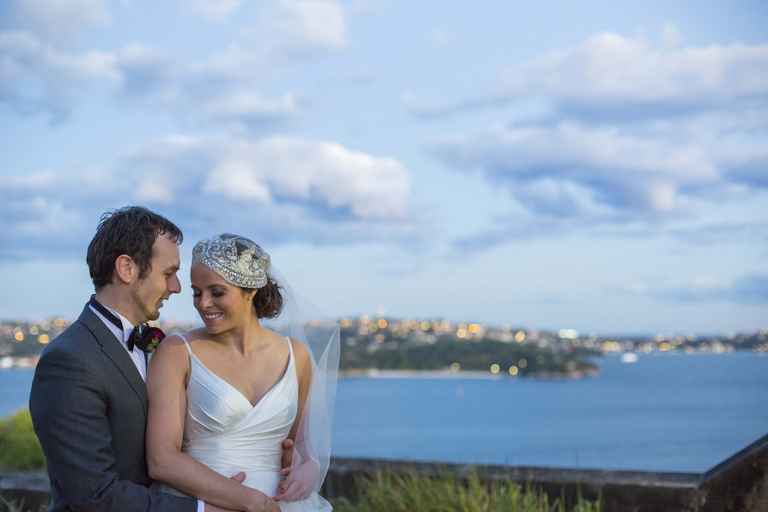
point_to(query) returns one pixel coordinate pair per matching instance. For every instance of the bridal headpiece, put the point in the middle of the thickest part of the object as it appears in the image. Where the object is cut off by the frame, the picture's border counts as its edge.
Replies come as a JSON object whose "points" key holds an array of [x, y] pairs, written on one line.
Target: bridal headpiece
{"points": [[238, 260]]}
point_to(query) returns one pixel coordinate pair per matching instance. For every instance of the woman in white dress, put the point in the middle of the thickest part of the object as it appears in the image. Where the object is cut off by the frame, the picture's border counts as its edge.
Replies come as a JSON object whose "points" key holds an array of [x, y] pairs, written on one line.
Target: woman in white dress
{"points": [[223, 398]]}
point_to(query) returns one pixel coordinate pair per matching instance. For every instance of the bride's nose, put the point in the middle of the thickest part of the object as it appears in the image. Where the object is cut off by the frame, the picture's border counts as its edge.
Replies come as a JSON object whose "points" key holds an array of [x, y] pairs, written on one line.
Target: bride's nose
{"points": [[204, 300]]}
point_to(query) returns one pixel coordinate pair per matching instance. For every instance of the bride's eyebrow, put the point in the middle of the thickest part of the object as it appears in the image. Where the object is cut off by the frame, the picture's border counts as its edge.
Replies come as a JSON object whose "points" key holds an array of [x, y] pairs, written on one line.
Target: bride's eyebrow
{"points": [[210, 286]]}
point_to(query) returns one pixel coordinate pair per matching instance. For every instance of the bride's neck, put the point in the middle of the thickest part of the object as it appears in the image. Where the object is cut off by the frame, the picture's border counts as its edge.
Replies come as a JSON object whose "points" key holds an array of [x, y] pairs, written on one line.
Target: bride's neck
{"points": [[244, 337]]}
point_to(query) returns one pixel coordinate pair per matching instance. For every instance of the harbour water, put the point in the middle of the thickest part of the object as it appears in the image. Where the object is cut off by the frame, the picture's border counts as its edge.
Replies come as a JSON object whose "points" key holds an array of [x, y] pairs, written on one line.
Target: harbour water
{"points": [[665, 412]]}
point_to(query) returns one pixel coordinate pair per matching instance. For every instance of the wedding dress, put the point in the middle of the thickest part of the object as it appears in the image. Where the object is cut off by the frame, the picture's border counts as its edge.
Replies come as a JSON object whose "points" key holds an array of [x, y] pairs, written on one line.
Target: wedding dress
{"points": [[228, 434]]}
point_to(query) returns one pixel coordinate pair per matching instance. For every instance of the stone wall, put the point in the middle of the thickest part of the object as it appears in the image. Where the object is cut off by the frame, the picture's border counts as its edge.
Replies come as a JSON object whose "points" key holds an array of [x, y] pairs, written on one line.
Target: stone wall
{"points": [[739, 482]]}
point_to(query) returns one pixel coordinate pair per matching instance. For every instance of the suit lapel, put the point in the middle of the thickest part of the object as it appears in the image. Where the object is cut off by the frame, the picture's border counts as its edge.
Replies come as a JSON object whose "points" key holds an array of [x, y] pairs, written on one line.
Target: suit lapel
{"points": [[116, 353]]}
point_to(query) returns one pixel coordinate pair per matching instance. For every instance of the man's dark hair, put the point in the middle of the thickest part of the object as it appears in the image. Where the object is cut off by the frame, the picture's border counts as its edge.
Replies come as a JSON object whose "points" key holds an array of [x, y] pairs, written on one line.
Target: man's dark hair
{"points": [[132, 231]]}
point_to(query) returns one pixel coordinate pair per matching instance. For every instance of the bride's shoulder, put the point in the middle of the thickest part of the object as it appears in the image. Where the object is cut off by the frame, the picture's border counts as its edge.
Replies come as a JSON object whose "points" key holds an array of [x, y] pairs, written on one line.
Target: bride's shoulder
{"points": [[190, 336], [301, 353], [178, 339], [195, 334]]}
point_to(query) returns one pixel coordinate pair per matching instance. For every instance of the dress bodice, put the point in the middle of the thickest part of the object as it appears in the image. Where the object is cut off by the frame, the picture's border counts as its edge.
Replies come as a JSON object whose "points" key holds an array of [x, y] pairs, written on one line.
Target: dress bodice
{"points": [[224, 430], [227, 433]]}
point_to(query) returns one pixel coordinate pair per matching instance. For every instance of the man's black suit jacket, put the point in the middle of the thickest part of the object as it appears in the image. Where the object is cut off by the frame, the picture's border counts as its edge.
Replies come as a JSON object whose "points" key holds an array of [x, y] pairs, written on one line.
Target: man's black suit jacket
{"points": [[89, 409]]}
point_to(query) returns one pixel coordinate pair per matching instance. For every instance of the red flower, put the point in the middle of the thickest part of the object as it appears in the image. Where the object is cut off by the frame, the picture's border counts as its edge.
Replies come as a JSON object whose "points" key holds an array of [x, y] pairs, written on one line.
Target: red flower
{"points": [[150, 339]]}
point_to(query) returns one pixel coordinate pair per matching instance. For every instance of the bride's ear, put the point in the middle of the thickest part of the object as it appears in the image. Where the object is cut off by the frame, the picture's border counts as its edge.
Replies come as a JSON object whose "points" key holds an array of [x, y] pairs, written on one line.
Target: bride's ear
{"points": [[249, 294]]}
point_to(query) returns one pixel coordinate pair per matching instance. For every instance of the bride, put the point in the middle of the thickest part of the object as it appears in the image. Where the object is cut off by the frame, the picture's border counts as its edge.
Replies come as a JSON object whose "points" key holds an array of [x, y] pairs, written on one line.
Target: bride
{"points": [[223, 398]]}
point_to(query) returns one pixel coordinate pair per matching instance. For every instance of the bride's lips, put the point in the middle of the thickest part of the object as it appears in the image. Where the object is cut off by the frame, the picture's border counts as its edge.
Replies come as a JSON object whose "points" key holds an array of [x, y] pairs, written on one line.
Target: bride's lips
{"points": [[212, 316]]}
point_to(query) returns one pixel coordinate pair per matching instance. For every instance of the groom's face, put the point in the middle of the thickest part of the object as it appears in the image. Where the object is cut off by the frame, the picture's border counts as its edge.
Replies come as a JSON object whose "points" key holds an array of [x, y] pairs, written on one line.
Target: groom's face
{"points": [[149, 293]]}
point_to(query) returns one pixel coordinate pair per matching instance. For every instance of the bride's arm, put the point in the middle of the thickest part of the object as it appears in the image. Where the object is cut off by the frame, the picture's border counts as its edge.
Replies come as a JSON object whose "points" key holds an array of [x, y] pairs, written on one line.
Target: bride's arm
{"points": [[299, 483], [166, 386]]}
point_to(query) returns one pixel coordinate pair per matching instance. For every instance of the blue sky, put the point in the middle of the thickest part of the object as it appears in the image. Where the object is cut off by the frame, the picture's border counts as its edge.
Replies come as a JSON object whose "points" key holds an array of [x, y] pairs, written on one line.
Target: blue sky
{"points": [[601, 166]]}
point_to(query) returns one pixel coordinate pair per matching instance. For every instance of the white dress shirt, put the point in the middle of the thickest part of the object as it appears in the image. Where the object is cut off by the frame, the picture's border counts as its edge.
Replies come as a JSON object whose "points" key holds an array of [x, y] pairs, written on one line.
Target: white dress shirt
{"points": [[137, 355]]}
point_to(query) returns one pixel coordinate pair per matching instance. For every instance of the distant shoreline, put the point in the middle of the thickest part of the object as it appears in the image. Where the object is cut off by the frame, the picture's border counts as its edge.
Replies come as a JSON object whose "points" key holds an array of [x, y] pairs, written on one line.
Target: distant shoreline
{"points": [[373, 373]]}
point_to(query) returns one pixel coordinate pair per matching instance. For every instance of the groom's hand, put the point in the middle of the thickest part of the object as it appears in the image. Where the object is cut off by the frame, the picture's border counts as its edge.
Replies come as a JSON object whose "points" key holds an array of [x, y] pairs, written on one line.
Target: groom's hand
{"points": [[239, 478]]}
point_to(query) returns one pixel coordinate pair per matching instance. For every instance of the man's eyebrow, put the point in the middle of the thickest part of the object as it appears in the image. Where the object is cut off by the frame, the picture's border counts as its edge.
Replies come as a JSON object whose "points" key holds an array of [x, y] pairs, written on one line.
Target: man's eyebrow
{"points": [[174, 268]]}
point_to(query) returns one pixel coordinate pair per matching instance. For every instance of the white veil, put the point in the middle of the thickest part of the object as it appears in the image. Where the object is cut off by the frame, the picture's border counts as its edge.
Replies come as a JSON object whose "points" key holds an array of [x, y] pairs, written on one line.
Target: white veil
{"points": [[244, 263], [302, 321]]}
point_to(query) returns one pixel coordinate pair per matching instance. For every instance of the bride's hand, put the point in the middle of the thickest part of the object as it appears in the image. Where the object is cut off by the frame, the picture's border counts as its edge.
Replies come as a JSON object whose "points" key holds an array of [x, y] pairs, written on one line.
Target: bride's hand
{"points": [[298, 482]]}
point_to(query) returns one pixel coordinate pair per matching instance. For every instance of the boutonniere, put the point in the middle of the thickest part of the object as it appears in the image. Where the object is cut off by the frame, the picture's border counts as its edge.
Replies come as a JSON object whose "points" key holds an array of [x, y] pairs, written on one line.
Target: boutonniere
{"points": [[150, 339]]}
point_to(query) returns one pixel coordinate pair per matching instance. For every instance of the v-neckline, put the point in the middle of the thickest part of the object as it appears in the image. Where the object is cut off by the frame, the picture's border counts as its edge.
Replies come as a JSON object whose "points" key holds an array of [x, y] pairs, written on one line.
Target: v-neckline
{"points": [[236, 389]]}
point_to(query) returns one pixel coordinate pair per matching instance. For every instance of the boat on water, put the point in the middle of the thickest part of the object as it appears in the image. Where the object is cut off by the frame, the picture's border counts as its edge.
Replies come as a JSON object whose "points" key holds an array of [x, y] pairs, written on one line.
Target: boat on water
{"points": [[628, 357]]}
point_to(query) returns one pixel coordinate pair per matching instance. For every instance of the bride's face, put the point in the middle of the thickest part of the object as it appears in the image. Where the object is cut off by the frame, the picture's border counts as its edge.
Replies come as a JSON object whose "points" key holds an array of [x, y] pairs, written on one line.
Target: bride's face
{"points": [[221, 306]]}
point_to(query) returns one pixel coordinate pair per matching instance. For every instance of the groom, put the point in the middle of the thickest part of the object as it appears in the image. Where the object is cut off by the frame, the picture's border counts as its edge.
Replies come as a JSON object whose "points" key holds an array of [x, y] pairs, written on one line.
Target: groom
{"points": [[89, 399]]}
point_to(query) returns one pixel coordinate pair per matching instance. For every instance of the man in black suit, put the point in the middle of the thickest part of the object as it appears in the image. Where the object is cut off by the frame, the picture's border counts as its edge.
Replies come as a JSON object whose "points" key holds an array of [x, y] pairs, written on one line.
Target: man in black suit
{"points": [[89, 399]]}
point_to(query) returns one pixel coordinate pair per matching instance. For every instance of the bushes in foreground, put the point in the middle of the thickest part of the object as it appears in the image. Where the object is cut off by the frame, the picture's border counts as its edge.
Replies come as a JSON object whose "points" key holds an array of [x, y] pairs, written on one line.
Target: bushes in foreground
{"points": [[388, 492], [19, 447]]}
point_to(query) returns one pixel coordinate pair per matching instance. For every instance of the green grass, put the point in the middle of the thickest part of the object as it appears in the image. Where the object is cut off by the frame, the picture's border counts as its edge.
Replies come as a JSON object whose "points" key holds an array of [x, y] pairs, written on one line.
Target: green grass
{"points": [[387, 492], [19, 447]]}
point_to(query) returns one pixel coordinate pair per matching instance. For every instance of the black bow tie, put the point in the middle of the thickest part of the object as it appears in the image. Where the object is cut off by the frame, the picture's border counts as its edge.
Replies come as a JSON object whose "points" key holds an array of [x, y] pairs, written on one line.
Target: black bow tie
{"points": [[134, 338], [137, 334]]}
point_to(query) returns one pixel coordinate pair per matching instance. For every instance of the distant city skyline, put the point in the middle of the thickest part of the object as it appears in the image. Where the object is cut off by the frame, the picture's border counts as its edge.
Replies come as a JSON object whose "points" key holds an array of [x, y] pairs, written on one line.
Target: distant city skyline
{"points": [[593, 166]]}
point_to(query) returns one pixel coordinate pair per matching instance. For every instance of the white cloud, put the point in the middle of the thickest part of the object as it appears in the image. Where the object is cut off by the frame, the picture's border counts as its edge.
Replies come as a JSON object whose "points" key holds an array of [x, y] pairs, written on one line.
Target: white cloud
{"points": [[744, 289], [250, 108], [559, 198], [40, 74], [611, 77], [318, 174], [610, 68], [38, 223], [38, 181], [55, 20], [143, 70], [154, 189], [297, 28], [26, 56], [587, 166], [310, 23], [287, 188], [37, 77], [215, 10], [44, 217], [630, 132], [235, 180]]}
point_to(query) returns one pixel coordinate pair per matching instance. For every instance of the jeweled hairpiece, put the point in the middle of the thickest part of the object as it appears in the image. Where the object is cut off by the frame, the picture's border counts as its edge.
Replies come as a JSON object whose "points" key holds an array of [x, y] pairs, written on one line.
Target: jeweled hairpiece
{"points": [[238, 260]]}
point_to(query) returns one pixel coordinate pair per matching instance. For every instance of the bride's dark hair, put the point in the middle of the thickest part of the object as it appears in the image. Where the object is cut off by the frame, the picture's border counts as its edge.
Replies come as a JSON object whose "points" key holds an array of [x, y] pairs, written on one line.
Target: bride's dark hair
{"points": [[268, 301]]}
